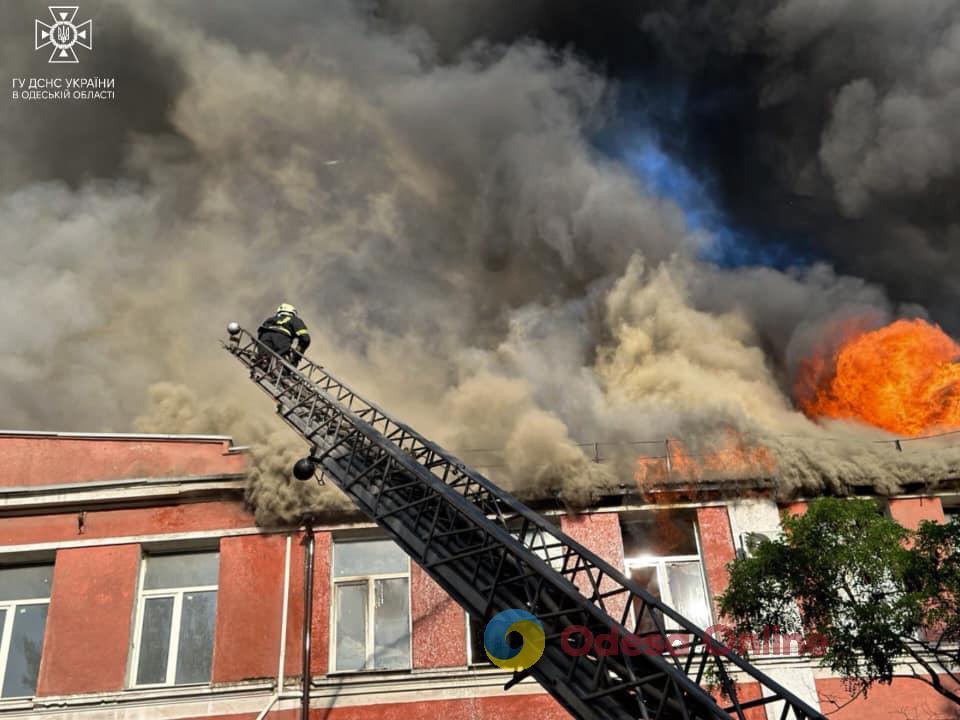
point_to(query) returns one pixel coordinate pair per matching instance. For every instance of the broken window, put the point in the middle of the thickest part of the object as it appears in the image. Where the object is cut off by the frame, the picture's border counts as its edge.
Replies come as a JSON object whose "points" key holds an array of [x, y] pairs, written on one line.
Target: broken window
{"points": [[662, 555]]}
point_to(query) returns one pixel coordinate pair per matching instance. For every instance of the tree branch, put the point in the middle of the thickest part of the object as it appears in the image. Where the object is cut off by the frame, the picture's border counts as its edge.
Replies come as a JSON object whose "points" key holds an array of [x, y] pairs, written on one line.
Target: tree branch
{"points": [[935, 682]]}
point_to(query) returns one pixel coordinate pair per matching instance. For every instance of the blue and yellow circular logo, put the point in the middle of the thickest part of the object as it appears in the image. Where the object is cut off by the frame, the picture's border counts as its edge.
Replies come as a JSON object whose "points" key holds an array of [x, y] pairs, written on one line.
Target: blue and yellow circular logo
{"points": [[497, 641]]}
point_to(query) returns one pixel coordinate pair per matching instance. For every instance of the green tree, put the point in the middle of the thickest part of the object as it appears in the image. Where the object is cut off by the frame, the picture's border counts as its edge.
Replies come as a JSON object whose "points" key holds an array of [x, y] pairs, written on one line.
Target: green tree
{"points": [[880, 596]]}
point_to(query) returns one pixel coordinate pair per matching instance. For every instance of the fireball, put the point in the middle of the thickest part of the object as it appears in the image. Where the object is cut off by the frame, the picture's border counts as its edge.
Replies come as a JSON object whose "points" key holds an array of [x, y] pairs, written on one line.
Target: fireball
{"points": [[903, 378]]}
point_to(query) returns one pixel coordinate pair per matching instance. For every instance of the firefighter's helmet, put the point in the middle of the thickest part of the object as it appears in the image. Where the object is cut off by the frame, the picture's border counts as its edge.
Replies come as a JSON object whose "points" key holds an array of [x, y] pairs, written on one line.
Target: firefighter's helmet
{"points": [[286, 308]]}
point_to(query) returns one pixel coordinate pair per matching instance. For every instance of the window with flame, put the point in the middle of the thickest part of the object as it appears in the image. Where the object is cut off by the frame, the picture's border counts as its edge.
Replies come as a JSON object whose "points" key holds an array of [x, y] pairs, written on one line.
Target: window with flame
{"points": [[24, 599], [662, 555], [371, 606]]}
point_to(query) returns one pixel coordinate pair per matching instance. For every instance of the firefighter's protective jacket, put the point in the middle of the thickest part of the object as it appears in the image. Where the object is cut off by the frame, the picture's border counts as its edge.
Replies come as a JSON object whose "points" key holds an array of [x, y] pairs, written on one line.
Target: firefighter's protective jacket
{"points": [[288, 324]]}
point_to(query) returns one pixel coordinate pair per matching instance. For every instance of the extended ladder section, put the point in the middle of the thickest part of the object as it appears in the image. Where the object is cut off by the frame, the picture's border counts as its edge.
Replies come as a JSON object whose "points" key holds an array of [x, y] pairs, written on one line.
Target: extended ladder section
{"points": [[492, 553]]}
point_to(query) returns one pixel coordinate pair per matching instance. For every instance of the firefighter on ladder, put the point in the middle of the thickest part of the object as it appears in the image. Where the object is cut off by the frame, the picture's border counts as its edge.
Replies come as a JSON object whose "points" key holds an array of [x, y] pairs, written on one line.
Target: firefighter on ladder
{"points": [[279, 332]]}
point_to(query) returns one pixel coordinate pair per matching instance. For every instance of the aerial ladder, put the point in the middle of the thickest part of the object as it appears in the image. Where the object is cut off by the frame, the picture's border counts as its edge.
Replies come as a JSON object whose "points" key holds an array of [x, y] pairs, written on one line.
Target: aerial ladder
{"points": [[491, 553]]}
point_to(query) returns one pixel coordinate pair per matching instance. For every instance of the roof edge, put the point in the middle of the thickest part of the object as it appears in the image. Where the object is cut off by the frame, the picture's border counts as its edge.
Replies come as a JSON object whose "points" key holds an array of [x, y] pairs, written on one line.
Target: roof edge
{"points": [[119, 483], [118, 436]]}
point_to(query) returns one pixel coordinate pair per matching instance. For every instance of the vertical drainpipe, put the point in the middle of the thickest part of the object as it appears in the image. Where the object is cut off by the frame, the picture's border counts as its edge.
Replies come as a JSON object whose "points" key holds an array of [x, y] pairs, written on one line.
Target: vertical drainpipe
{"points": [[308, 542], [281, 663]]}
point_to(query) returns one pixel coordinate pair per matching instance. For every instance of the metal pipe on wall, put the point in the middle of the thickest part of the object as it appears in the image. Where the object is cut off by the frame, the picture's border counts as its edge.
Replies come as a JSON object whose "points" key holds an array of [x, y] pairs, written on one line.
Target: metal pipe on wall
{"points": [[308, 562], [283, 631], [283, 616]]}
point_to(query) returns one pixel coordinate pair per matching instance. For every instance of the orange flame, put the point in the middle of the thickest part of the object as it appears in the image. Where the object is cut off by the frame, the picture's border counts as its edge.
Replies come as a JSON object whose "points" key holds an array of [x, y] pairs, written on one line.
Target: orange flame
{"points": [[903, 378], [731, 458]]}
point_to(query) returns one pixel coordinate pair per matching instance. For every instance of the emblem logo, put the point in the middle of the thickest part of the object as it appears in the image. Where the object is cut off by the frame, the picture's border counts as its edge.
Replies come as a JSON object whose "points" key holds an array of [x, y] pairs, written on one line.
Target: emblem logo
{"points": [[63, 34]]}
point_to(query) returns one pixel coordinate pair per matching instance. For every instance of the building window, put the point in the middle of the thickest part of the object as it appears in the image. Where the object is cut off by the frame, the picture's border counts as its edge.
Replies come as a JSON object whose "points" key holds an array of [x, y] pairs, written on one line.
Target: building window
{"points": [[24, 599], [476, 652], [662, 555], [371, 606], [173, 640], [540, 543], [544, 546]]}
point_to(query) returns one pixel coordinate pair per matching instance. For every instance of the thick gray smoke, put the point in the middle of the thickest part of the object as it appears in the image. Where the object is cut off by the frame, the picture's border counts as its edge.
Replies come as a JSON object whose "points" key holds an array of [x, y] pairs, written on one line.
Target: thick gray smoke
{"points": [[828, 128], [461, 252]]}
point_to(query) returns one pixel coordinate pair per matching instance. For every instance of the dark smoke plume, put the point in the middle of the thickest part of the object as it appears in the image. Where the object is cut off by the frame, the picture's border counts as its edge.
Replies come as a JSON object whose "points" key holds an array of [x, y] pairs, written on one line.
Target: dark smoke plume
{"points": [[441, 193], [828, 129]]}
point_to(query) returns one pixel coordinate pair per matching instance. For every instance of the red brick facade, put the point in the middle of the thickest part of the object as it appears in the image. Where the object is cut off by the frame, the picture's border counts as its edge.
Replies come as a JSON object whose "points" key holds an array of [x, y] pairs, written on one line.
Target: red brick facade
{"points": [[250, 600], [75, 459], [96, 543], [716, 540], [85, 648]]}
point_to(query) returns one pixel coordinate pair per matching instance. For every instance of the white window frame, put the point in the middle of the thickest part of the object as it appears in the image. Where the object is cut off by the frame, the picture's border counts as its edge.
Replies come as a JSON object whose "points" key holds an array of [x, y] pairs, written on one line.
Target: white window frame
{"points": [[471, 660], [174, 648], [6, 635], [660, 562], [553, 557], [369, 638]]}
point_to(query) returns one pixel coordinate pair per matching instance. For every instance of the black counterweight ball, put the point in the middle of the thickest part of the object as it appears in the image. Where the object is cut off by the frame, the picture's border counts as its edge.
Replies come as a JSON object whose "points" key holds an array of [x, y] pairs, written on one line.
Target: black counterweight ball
{"points": [[304, 469]]}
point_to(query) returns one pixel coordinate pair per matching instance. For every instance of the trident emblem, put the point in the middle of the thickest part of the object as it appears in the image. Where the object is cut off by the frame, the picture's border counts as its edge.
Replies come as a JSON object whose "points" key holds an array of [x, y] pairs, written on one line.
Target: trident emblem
{"points": [[63, 34]]}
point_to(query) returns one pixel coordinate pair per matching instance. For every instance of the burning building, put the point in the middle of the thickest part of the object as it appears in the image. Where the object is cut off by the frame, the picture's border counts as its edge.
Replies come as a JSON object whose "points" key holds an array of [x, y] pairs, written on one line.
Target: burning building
{"points": [[136, 583], [645, 251]]}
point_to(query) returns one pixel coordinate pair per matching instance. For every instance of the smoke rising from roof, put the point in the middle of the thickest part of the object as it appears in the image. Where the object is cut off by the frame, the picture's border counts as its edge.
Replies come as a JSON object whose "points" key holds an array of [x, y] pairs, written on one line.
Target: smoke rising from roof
{"points": [[826, 127], [435, 206]]}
